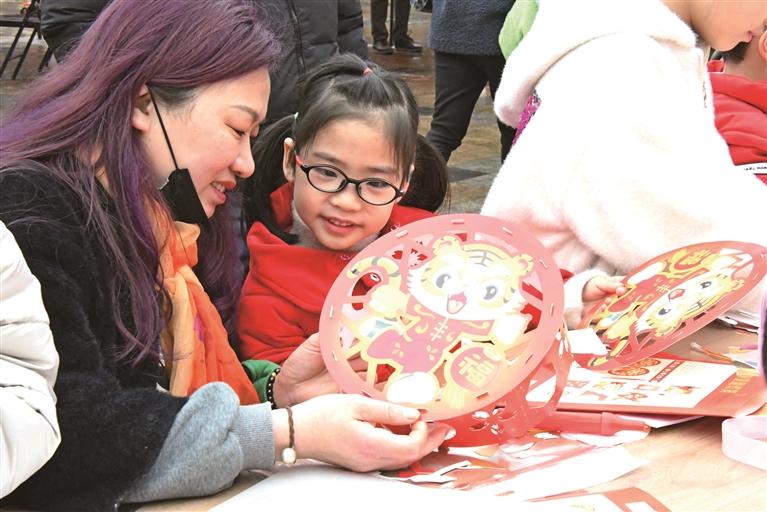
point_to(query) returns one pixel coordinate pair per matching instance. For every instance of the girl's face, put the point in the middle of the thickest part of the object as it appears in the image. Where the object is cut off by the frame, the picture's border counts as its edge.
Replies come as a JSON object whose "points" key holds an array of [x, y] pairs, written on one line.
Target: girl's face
{"points": [[210, 136], [725, 23], [360, 149]]}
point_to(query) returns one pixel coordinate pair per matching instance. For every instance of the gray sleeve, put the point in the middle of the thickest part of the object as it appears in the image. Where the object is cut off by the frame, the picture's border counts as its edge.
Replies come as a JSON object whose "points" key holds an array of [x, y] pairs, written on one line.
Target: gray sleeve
{"points": [[211, 441]]}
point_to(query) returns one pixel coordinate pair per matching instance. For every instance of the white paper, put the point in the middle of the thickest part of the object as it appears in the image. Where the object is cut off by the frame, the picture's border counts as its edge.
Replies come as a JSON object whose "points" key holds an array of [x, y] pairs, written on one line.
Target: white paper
{"points": [[305, 487], [585, 341]]}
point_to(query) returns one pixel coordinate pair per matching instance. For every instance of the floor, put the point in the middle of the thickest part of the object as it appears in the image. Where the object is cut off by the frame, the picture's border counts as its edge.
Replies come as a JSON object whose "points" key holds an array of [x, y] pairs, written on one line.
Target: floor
{"points": [[472, 166]]}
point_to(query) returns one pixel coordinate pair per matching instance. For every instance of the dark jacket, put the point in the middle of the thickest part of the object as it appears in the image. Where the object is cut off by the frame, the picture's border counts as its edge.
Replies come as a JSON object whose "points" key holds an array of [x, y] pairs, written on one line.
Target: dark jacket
{"points": [[62, 22], [113, 420], [467, 27], [310, 31]]}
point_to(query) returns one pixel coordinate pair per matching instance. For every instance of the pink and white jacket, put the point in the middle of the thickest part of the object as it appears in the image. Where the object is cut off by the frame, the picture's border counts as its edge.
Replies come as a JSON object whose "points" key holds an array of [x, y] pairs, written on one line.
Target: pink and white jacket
{"points": [[622, 161]]}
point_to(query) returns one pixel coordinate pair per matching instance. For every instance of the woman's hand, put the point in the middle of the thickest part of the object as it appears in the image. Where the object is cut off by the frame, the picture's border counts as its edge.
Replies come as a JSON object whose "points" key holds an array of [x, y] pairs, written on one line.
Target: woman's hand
{"points": [[341, 429]]}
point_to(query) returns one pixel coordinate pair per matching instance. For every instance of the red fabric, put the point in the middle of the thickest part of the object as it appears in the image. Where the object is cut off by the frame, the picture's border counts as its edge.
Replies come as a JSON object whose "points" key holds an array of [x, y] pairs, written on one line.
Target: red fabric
{"points": [[740, 107], [284, 292]]}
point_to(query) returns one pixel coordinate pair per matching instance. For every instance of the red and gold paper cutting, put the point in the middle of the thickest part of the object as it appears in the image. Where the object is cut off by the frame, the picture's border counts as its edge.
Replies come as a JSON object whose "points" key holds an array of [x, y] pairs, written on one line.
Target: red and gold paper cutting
{"points": [[672, 296], [455, 315]]}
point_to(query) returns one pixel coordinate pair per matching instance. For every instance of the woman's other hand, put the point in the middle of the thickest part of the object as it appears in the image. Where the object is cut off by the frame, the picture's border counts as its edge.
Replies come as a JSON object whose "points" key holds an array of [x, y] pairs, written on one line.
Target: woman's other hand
{"points": [[303, 375], [342, 430]]}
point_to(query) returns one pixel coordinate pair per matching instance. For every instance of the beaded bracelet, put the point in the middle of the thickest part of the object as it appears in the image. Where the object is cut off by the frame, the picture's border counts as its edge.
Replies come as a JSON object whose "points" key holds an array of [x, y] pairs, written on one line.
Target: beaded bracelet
{"points": [[289, 453], [269, 391]]}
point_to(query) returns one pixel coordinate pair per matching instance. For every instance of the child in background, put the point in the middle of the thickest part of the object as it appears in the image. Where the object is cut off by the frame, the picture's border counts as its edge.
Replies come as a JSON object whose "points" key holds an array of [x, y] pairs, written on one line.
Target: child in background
{"points": [[622, 161], [739, 82], [355, 125]]}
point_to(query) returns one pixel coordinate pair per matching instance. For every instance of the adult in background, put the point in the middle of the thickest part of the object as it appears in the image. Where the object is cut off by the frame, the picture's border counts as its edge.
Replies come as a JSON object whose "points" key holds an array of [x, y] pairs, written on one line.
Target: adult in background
{"points": [[63, 22], [467, 57], [310, 32], [379, 11]]}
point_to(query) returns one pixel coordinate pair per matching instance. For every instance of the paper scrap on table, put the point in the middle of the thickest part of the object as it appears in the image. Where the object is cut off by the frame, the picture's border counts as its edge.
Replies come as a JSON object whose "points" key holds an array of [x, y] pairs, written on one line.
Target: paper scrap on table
{"points": [[592, 468], [585, 341], [749, 358], [629, 499], [620, 437]]}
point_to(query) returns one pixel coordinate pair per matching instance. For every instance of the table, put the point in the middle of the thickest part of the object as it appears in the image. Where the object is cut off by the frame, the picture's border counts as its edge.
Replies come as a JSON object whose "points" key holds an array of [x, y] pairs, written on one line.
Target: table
{"points": [[687, 470]]}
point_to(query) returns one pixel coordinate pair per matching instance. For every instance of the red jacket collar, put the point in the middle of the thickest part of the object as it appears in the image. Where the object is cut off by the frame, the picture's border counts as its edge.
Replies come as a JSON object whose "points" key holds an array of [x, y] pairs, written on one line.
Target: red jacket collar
{"points": [[283, 268], [738, 87]]}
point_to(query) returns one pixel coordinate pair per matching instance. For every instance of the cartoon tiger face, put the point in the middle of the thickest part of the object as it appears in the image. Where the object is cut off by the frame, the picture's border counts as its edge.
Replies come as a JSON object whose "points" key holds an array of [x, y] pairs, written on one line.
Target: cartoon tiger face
{"points": [[470, 281], [686, 300]]}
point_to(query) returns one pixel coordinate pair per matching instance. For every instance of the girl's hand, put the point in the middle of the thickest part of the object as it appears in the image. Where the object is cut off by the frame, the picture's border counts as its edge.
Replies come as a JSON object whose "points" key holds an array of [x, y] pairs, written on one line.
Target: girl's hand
{"points": [[599, 287], [341, 429]]}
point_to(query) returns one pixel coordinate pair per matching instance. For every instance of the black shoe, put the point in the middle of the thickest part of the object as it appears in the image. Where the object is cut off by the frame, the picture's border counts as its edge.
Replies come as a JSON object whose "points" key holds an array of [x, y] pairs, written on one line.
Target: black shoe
{"points": [[407, 45], [382, 47]]}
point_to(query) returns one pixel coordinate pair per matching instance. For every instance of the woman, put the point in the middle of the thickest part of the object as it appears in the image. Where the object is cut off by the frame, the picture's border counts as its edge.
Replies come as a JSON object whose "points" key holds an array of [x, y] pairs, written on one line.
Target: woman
{"points": [[86, 188]]}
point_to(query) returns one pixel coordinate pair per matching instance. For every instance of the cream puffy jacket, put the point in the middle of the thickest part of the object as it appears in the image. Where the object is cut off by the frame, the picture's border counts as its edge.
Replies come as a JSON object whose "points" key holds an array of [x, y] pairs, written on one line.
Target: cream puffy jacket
{"points": [[622, 161], [29, 432]]}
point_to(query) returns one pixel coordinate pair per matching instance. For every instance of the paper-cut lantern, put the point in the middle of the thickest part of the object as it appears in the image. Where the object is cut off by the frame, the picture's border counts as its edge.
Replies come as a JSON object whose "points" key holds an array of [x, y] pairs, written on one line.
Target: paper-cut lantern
{"points": [[458, 316], [672, 296]]}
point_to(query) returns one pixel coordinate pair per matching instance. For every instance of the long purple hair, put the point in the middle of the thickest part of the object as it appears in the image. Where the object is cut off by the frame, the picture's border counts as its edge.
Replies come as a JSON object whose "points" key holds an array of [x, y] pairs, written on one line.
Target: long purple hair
{"points": [[82, 107]]}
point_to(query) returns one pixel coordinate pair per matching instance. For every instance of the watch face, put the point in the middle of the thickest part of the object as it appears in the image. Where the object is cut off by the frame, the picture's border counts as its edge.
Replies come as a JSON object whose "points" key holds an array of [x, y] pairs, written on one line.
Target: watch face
{"points": [[671, 297], [449, 315]]}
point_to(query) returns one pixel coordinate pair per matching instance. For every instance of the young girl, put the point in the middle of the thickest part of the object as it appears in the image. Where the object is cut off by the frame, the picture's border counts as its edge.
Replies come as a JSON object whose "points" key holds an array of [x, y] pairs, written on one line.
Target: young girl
{"points": [[353, 123], [622, 161], [356, 125]]}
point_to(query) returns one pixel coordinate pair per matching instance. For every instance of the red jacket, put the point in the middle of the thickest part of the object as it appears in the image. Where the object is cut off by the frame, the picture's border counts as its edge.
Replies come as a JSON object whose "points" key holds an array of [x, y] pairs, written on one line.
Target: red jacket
{"points": [[740, 107], [284, 292]]}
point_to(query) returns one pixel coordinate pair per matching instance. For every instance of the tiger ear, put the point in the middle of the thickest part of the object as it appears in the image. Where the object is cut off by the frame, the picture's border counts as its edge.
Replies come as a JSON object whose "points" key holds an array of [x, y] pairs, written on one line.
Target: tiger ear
{"points": [[522, 264], [445, 243]]}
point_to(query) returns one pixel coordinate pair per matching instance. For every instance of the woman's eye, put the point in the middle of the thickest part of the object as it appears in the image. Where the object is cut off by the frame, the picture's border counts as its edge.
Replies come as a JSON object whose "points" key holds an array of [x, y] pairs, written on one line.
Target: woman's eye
{"points": [[240, 133]]}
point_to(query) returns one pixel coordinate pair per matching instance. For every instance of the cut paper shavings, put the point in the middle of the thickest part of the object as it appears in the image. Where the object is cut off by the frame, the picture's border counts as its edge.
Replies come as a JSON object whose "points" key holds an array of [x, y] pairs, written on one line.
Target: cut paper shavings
{"points": [[586, 470]]}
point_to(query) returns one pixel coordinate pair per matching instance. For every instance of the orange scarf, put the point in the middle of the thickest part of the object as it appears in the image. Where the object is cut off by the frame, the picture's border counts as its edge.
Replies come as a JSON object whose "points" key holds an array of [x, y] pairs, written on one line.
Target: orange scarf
{"points": [[195, 343]]}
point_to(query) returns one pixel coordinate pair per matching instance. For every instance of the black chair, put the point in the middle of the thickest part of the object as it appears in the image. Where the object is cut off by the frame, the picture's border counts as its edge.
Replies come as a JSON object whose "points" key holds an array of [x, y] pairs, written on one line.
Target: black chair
{"points": [[28, 18]]}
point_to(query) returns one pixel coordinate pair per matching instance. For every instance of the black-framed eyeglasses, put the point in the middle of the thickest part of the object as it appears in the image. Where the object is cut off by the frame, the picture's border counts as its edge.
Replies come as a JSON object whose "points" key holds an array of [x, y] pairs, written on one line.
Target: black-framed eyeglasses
{"points": [[329, 179]]}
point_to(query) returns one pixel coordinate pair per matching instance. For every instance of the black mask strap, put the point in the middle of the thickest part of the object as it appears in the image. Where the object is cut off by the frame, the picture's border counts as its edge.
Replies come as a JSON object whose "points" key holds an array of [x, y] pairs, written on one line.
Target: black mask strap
{"points": [[179, 191]]}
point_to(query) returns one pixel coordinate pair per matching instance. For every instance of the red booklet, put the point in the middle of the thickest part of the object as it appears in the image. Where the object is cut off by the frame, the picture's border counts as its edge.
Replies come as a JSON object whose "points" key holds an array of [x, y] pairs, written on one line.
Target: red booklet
{"points": [[663, 384]]}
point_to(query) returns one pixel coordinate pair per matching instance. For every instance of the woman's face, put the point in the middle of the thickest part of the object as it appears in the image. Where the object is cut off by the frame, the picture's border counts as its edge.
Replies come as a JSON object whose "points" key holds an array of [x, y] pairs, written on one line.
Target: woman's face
{"points": [[360, 149], [210, 135], [725, 23]]}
